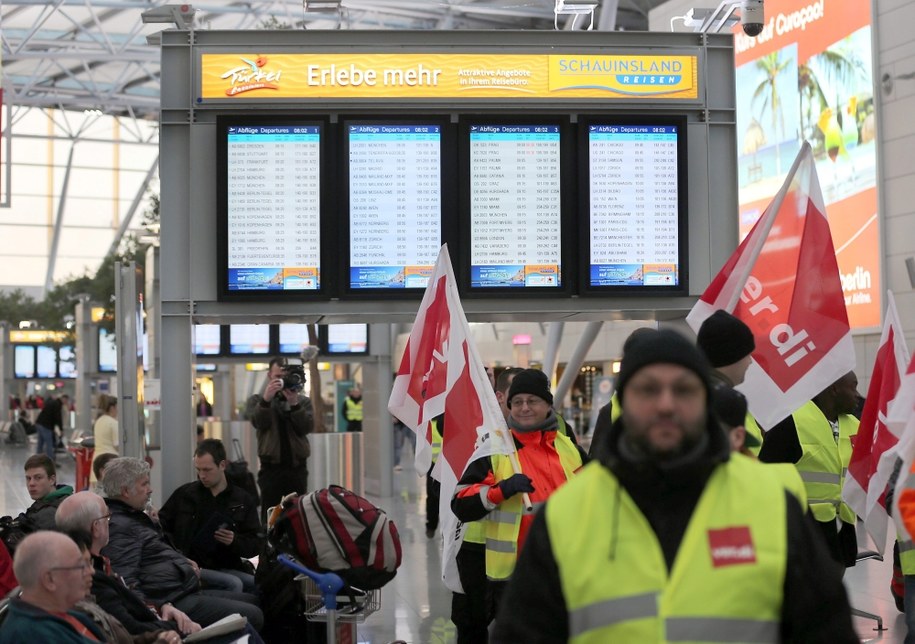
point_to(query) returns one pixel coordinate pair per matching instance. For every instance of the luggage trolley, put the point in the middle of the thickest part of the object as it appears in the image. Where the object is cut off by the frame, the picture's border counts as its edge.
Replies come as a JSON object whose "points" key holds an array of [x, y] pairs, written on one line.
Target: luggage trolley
{"points": [[324, 601]]}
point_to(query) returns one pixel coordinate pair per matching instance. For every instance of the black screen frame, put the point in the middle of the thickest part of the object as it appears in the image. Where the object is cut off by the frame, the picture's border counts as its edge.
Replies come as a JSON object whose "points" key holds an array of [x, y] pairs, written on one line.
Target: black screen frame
{"points": [[447, 222], [567, 169], [585, 288], [326, 209]]}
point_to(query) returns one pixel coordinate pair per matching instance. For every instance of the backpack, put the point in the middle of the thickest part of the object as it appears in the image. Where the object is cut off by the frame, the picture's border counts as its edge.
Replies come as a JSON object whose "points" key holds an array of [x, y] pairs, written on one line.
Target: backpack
{"points": [[337, 530]]}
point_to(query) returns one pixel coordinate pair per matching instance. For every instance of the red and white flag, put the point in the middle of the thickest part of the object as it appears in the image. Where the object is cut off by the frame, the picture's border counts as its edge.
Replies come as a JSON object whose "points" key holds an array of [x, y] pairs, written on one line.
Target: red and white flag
{"points": [[901, 421], [868, 472], [441, 373], [783, 282]]}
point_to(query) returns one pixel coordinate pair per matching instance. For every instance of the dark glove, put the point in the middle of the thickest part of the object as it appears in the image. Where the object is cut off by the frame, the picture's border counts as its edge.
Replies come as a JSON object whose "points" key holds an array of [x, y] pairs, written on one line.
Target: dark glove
{"points": [[514, 484]]}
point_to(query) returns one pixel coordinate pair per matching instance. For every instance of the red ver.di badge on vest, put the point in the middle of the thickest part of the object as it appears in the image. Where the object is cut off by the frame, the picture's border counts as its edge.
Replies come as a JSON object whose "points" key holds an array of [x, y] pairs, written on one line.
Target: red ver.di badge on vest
{"points": [[731, 546]]}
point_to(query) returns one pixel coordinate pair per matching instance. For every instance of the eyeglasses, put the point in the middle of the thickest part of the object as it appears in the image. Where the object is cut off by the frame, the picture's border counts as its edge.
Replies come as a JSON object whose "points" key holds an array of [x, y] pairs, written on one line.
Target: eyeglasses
{"points": [[104, 517], [530, 402], [84, 565]]}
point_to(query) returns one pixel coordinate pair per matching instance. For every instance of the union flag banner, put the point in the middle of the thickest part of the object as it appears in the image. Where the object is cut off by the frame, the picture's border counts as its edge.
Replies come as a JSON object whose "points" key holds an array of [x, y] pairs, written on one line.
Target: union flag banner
{"points": [[868, 472], [441, 373], [783, 282]]}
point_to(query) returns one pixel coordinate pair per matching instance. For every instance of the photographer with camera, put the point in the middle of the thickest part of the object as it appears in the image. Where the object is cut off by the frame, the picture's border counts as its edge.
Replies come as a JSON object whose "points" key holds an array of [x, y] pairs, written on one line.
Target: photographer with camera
{"points": [[282, 418]]}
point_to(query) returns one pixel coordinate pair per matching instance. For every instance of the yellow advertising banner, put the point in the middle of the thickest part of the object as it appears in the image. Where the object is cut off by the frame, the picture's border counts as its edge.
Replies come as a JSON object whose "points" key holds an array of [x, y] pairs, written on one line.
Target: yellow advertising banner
{"points": [[262, 77]]}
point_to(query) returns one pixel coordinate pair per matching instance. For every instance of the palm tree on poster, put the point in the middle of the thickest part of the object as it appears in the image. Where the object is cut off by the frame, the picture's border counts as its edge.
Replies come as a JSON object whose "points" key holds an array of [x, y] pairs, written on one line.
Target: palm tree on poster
{"points": [[767, 93]]}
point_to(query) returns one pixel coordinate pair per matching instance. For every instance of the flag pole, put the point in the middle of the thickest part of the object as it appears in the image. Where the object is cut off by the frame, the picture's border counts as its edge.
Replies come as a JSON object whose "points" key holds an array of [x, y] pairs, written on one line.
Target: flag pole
{"points": [[763, 234]]}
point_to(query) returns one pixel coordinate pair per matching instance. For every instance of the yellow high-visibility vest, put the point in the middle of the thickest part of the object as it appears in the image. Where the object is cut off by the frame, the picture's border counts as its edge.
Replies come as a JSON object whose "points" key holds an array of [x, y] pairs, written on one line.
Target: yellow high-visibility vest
{"points": [[353, 409], [727, 579], [503, 524], [824, 463]]}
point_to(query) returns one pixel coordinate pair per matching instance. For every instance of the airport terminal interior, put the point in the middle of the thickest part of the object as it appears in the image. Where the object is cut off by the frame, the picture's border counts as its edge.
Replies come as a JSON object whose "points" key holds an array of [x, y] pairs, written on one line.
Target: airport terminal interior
{"points": [[188, 190]]}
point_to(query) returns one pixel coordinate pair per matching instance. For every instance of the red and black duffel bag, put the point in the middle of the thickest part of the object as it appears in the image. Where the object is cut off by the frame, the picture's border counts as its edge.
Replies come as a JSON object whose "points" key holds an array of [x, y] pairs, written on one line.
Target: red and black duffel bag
{"points": [[337, 530]]}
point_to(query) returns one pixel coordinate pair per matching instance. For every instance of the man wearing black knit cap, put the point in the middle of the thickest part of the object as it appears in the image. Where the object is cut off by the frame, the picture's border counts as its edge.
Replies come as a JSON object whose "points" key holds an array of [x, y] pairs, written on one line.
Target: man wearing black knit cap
{"points": [[667, 537], [727, 342], [491, 488]]}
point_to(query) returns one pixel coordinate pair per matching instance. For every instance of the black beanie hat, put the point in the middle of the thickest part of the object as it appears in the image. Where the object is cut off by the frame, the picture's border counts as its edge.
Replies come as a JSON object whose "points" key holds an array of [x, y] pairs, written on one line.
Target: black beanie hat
{"points": [[663, 346], [725, 339], [530, 381]]}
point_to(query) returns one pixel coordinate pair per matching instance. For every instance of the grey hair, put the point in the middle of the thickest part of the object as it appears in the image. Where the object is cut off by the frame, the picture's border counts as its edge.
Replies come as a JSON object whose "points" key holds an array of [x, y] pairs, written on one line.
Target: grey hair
{"points": [[36, 554], [78, 511], [123, 473]]}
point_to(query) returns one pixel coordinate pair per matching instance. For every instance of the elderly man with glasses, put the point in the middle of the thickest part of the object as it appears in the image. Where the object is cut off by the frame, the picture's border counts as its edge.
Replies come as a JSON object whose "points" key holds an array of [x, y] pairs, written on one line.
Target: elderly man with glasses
{"points": [[87, 512], [491, 488], [52, 574]]}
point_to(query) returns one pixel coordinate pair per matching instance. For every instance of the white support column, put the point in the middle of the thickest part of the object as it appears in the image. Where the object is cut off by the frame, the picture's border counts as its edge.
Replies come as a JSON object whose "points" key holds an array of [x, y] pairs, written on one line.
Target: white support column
{"points": [[377, 428], [575, 362]]}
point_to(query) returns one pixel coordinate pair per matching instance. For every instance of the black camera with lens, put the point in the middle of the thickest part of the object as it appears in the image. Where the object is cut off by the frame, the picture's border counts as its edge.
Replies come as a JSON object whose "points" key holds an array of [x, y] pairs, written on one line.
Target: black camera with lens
{"points": [[294, 377]]}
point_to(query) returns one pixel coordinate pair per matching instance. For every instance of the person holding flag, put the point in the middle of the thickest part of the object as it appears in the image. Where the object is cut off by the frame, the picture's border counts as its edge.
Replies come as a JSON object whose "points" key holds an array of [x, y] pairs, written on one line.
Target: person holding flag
{"points": [[818, 439], [491, 488]]}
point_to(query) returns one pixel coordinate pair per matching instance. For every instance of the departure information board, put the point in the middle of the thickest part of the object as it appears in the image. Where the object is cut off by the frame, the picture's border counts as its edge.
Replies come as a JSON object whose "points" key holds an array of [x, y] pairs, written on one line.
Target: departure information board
{"points": [[273, 207], [395, 187], [515, 206], [634, 205]]}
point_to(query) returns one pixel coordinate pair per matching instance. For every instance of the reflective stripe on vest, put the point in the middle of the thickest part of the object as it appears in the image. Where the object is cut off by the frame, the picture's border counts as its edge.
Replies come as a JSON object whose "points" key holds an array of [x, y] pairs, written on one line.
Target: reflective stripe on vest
{"points": [[504, 523], [436, 440], [726, 584], [353, 409], [823, 463]]}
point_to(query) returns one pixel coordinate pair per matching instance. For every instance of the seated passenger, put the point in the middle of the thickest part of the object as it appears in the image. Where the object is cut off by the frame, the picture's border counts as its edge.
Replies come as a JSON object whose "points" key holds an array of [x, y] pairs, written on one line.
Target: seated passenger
{"points": [[214, 522], [86, 512], [41, 480], [141, 555], [52, 575]]}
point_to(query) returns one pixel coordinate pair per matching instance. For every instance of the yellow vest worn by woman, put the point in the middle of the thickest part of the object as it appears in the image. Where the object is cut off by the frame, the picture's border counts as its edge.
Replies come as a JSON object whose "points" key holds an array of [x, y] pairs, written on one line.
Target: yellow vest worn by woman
{"points": [[502, 525], [727, 581], [823, 463]]}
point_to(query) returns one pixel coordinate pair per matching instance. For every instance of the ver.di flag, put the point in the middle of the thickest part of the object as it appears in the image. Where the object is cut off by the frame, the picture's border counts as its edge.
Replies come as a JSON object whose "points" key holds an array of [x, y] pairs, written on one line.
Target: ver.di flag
{"points": [[441, 373], [783, 282], [868, 473]]}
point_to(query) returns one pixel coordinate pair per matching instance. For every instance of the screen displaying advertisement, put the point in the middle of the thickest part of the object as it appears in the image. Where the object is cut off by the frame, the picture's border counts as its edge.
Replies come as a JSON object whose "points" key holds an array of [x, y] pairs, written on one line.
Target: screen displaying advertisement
{"points": [[273, 205], [346, 339], [207, 339], [46, 362], [395, 204], [634, 196], [107, 352], [515, 206], [249, 339], [24, 361], [293, 337], [66, 365], [809, 76]]}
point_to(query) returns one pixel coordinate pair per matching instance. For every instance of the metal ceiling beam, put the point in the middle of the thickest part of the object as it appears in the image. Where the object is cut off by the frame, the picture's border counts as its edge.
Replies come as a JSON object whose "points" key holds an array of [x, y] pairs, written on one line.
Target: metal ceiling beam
{"points": [[59, 222]]}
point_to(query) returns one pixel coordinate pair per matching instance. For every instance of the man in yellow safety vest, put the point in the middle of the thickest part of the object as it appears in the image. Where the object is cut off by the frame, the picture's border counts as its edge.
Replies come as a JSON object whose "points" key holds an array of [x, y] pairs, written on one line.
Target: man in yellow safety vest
{"points": [[667, 537], [818, 439]]}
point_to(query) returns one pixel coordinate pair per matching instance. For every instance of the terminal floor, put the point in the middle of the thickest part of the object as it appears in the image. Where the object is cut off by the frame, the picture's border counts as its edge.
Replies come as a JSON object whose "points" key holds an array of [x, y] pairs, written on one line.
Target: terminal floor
{"points": [[415, 607]]}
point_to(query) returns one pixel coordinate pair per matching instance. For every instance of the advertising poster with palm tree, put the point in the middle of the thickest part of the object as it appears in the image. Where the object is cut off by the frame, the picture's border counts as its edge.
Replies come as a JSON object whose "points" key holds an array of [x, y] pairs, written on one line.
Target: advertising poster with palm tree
{"points": [[809, 76]]}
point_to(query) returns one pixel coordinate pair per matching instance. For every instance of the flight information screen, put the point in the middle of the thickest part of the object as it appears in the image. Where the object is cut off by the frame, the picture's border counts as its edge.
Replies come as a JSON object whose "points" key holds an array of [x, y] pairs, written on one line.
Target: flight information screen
{"points": [[249, 338], [515, 206], [395, 206], [634, 217], [273, 205]]}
